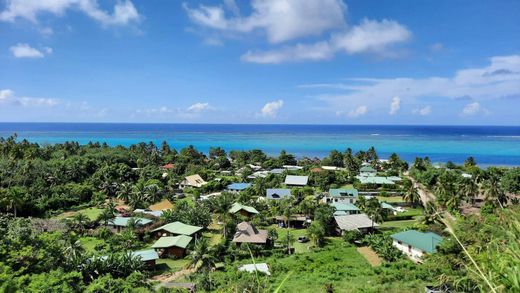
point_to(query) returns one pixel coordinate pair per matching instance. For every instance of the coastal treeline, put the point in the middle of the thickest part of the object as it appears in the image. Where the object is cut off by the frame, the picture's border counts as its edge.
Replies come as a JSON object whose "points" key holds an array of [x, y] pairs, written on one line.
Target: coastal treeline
{"points": [[57, 201]]}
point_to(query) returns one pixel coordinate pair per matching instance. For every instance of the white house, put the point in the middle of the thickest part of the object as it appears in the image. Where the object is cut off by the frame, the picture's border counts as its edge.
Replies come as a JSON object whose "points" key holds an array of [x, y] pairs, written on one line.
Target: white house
{"points": [[415, 243]]}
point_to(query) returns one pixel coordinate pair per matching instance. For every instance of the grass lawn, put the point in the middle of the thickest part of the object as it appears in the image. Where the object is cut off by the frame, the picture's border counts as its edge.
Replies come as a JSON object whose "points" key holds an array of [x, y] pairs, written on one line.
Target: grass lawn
{"points": [[338, 264], [89, 243], [169, 265], [92, 213], [399, 224], [298, 247], [390, 199]]}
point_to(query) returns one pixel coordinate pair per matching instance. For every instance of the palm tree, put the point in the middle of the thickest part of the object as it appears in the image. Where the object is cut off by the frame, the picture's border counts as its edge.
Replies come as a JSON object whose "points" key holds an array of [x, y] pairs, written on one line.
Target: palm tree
{"points": [[493, 191], [316, 233], [14, 199], [361, 202], [469, 189], [123, 191], [80, 221], [203, 256], [412, 195], [222, 205], [74, 251], [374, 211]]}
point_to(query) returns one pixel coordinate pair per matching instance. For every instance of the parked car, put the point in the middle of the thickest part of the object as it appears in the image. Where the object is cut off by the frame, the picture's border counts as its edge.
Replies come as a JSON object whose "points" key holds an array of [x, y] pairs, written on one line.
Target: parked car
{"points": [[303, 239]]}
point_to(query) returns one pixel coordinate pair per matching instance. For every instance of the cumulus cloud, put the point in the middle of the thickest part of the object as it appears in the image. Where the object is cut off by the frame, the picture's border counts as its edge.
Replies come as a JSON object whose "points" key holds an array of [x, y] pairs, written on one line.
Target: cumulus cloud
{"points": [[424, 111], [199, 107], [499, 79], [271, 109], [395, 105], [25, 51], [359, 111], [280, 20], [8, 97], [124, 12], [471, 109], [373, 37]]}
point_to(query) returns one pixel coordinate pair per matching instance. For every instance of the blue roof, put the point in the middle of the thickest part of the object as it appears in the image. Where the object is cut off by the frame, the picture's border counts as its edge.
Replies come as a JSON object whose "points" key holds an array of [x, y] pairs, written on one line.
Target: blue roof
{"points": [[146, 255], [123, 221], [343, 192], [427, 242], [238, 186], [278, 193]]}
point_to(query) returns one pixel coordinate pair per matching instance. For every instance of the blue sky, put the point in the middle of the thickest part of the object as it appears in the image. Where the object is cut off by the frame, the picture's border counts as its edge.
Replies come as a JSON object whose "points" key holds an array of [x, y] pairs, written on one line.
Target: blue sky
{"points": [[264, 61]]}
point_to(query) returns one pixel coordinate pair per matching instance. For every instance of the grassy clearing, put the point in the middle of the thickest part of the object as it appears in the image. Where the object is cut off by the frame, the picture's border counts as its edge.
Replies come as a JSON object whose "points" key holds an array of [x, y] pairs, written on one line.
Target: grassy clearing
{"points": [[370, 255], [92, 213], [89, 243], [390, 199], [298, 247], [164, 265], [399, 224]]}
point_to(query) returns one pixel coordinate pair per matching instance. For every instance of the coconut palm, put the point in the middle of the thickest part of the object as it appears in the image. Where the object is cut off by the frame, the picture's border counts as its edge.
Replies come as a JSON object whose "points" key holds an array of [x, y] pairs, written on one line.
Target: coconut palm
{"points": [[203, 256], [412, 195], [469, 189], [13, 199], [316, 233], [374, 211], [222, 205], [493, 191]]}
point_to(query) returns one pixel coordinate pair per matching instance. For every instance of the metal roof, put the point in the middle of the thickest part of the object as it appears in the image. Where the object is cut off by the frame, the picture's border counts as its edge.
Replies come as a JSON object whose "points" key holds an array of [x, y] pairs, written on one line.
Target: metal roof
{"points": [[181, 241], [237, 207], [238, 186], [146, 255], [278, 193], [179, 228], [354, 222], [123, 221], [427, 242], [343, 192], [296, 180]]}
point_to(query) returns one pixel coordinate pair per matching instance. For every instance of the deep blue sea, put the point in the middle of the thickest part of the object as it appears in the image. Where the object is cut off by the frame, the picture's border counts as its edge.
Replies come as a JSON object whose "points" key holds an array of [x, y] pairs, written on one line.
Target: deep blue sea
{"points": [[490, 145]]}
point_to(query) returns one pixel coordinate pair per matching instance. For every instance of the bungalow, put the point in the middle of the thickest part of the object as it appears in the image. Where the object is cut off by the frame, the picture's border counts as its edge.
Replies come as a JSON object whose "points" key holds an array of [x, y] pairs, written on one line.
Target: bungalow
{"points": [[258, 267], [244, 210], [332, 168], [193, 181], [258, 174], [292, 167], [119, 223], [345, 209], [343, 195], [156, 214], [292, 180], [277, 171], [161, 206], [237, 187], [147, 256], [359, 222], [247, 233], [176, 228], [172, 245], [278, 193], [376, 180], [415, 243], [367, 171]]}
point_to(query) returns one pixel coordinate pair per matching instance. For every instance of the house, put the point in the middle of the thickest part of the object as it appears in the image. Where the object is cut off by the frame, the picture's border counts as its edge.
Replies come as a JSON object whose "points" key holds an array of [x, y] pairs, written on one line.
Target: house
{"points": [[244, 210], [172, 245], [296, 221], [376, 180], [119, 223], [237, 187], [343, 195], [292, 167], [359, 222], [147, 256], [367, 171], [345, 209], [415, 244], [332, 168], [258, 174], [292, 180], [259, 267], [176, 228], [394, 178], [277, 193], [168, 166], [156, 214], [277, 171], [161, 206], [193, 181], [247, 233]]}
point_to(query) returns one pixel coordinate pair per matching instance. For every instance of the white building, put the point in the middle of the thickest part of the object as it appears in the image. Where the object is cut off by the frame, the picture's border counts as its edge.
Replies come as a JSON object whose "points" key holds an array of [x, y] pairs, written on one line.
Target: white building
{"points": [[415, 243]]}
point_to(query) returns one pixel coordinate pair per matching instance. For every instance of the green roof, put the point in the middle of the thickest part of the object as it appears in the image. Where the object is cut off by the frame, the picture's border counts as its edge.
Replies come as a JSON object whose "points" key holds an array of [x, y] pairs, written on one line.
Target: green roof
{"points": [[344, 206], [374, 180], [424, 241], [343, 192], [146, 255], [179, 228], [237, 207], [123, 221], [384, 205], [181, 241], [367, 169]]}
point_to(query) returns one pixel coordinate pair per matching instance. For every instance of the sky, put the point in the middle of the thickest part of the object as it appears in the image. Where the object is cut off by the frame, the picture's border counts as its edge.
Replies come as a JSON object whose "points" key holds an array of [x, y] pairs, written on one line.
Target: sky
{"points": [[262, 61]]}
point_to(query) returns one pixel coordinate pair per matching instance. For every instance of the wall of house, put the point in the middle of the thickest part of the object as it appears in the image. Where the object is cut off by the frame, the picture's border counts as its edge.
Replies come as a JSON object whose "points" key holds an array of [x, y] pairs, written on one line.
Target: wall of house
{"points": [[412, 252], [330, 199]]}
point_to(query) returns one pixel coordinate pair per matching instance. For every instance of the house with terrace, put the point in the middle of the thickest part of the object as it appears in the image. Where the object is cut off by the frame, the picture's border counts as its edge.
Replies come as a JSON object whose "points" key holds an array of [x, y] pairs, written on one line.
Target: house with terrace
{"points": [[342, 195], [148, 257], [243, 210], [416, 244], [176, 228], [277, 193]]}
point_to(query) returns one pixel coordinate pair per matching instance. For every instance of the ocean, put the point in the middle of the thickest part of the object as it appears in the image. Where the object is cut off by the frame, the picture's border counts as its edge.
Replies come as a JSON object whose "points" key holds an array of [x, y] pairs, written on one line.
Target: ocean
{"points": [[490, 145]]}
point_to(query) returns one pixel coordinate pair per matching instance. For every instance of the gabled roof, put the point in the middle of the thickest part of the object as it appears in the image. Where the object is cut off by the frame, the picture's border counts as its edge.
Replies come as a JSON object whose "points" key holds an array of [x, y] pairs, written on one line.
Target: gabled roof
{"points": [[277, 171], [179, 228], [247, 233], [180, 241], [161, 206], [237, 207], [343, 192], [260, 267], [367, 169], [194, 180], [238, 186], [332, 168], [394, 178], [374, 180], [354, 222], [296, 180], [152, 213], [385, 205], [123, 221], [146, 255], [427, 242], [344, 206], [278, 193]]}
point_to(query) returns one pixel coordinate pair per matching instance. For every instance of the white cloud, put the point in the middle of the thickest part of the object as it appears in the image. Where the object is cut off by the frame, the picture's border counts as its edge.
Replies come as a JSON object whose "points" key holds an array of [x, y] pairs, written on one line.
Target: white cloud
{"points": [[499, 79], [25, 51], [369, 37], [199, 107], [471, 109], [280, 20], [124, 11], [424, 111], [271, 109], [359, 111], [395, 105], [8, 97], [436, 47]]}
